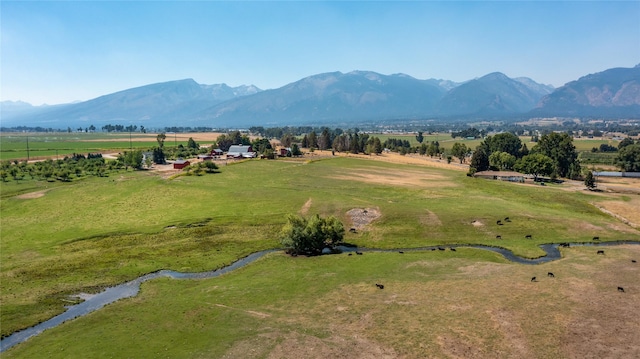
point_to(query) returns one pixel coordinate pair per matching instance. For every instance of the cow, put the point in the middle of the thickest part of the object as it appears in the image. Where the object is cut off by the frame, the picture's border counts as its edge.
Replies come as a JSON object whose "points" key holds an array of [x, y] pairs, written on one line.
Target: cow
{"points": [[499, 222], [633, 261], [352, 230], [381, 286], [620, 289], [498, 237], [600, 252], [550, 275], [401, 252], [453, 249], [440, 249], [359, 253], [596, 238], [528, 236], [506, 219], [533, 279]]}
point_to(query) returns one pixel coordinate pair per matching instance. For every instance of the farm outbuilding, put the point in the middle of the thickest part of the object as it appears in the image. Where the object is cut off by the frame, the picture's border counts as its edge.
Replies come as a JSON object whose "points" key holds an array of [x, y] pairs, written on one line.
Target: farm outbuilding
{"points": [[510, 176], [180, 164], [237, 151]]}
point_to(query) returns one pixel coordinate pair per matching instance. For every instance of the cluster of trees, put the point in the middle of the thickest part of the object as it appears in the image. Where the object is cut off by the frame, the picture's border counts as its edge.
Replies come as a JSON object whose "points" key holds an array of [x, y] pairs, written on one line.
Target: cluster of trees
{"points": [[469, 132], [224, 141], [119, 128], [627, 141], [628, 158], [554, 155], [65, 169], [310, 236]]}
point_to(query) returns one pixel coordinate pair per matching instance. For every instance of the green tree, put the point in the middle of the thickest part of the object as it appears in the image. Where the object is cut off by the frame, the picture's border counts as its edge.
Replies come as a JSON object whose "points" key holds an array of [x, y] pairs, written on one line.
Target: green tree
{"points": [[536, 164], [628, 158], [590, 181], [625, 142], [312, 140], [309, 236], [158, 156], [479, 161], [460, 150], [295, 150], [133, 159], [160, 138], [559, 147], [502, 160], [504, 142], [420, 137], [192, 144]]}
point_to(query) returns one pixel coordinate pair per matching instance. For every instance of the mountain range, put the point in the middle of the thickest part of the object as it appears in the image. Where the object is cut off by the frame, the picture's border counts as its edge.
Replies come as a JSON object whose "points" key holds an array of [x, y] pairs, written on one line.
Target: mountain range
{"points": [[342, 98]]}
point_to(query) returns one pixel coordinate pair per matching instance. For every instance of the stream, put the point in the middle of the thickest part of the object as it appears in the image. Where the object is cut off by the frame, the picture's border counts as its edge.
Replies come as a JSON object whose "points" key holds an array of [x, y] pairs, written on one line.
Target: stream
{"points": [[131, 288]]}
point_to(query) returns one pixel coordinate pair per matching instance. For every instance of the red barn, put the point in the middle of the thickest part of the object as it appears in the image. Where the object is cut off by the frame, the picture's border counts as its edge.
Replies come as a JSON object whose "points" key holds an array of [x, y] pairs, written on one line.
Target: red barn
{"points": [[180, 164]]}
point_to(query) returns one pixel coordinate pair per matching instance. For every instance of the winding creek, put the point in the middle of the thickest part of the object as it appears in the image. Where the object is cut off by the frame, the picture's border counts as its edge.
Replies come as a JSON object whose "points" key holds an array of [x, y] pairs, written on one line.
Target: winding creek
{"points": [[131, 288]]}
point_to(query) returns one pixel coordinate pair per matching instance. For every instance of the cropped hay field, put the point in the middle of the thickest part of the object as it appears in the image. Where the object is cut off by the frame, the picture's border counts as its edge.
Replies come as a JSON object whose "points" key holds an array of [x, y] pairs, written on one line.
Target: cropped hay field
{"points": [[85, 235]]}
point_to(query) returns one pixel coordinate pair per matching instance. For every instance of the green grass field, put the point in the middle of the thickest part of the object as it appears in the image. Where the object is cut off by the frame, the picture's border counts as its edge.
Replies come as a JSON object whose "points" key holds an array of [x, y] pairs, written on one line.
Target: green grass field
{"points": [[14, 145], [84, 235]]}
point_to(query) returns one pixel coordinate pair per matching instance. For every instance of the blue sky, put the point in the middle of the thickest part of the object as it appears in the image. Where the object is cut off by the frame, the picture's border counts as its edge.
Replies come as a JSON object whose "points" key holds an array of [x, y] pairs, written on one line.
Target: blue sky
{"points": [[63, 51]]}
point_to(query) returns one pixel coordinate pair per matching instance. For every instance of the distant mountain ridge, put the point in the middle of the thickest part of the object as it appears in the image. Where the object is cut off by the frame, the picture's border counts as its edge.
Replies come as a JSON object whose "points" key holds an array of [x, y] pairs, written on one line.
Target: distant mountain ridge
{"points": [[341, 98], [610, 93]]}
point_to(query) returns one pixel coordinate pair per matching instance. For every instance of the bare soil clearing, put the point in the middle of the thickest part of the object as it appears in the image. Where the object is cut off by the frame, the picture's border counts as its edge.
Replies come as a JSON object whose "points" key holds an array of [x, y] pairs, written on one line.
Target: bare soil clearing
{"points": [[361, 217], [32, 195], [405, 178]]}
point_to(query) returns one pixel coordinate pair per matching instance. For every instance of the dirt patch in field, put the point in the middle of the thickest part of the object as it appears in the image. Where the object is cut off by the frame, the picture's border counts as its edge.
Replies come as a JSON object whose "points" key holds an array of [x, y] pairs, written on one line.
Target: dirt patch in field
{"points": [[32, 195], [405, 178], [305, 207], [477, 223], [361, 217]]}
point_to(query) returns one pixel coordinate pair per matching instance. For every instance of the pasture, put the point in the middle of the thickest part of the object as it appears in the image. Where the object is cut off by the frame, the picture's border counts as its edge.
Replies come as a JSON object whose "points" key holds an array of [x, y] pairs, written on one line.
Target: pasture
{"points": [[81, 236]]}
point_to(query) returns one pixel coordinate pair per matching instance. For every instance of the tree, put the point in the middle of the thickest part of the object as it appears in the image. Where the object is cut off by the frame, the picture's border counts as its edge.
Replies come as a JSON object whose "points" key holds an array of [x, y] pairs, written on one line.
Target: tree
{"points": [[419, 137], [309, 236], [628, 158], [536, 164], [502, 160], [158, 156], [504, 142], [295, 150], [312, 140], [479, 161], [160, 138], [133, 159], [590, 181], [625, 142], [460, 150], [559, 147], [192, 144]]}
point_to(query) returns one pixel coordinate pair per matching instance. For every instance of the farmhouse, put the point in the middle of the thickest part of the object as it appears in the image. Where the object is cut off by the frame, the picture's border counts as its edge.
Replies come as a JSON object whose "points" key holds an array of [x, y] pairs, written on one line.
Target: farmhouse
{"points": [[284, 151], [238, 151], [501, 175], [180, 164]]}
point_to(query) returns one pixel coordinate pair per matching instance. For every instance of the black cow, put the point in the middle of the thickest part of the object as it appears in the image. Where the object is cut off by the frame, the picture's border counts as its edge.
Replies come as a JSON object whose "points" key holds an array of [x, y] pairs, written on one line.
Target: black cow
{"points": [[440, 249], [596, 238], [498, 237], [401, 252], [381, 286], [528, 236], [506, 219], [620, 289], [533, 279], [453, 249], [600, 252], [352, 230], [499, 222], [550, 275], [359, 253], [633, 261]]}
